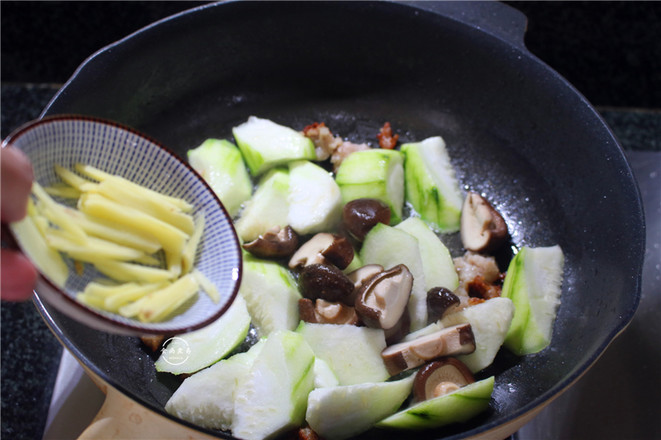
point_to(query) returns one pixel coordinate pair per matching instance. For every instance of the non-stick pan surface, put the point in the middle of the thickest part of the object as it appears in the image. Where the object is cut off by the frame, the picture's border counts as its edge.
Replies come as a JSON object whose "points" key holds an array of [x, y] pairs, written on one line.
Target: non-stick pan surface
{"points": [[515, 129]]}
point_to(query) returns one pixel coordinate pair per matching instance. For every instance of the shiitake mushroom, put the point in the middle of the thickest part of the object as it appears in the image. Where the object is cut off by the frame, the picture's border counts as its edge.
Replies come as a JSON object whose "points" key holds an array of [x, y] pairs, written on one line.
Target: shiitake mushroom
{"points": [[440, 377], [359, 216], [327, 282]]}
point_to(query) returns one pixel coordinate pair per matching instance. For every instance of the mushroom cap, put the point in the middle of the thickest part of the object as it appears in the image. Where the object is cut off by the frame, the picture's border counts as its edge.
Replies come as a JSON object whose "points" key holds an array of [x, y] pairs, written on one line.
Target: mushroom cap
{"points": [[327, 282], [450, 341], [402, 328], [274, 244], [440, 299], [361, 215], [441, 377], [483, 229], [364, 273], [306, 310], [320, 311], [335, 313], [383, 298], [323, 248]]}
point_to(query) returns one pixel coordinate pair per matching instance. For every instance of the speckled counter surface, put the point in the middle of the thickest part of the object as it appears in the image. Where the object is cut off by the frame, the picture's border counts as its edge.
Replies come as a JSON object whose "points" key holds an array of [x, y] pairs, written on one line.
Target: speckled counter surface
{"points": [[31, 354]]}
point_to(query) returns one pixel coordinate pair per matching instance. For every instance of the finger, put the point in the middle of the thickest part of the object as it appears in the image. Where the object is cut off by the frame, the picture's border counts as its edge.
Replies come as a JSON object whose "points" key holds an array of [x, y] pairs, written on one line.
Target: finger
{"points": [[16, 177], [17, 276]]}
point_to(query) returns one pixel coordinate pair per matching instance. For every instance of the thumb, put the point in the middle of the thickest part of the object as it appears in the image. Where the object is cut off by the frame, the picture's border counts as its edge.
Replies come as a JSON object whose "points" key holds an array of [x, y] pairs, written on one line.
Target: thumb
{"points": [[16, 177], [17, 276]]}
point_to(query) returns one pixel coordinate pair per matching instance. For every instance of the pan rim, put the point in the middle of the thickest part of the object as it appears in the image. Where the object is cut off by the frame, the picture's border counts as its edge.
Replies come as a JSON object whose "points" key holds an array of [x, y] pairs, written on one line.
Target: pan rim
{"points": [[560, 386]]}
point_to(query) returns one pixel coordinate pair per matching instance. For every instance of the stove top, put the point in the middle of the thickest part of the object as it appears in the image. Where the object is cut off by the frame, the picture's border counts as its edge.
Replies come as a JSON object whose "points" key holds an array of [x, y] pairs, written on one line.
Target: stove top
{"points": [[616, 398]]}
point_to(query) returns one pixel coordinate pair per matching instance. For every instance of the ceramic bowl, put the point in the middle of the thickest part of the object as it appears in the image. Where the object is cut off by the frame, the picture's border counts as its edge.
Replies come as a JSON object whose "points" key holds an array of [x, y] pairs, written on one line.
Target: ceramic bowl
{"points": [[122, 151]]}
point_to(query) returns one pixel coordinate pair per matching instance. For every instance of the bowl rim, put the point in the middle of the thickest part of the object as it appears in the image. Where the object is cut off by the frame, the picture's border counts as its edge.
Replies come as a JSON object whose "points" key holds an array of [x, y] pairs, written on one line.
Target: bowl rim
{"points": [[89, 316]]}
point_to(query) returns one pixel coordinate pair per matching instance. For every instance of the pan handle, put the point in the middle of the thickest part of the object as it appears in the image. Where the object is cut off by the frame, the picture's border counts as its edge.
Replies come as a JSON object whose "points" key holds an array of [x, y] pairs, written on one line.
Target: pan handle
{"points": [[122, 418], [493, 17]]}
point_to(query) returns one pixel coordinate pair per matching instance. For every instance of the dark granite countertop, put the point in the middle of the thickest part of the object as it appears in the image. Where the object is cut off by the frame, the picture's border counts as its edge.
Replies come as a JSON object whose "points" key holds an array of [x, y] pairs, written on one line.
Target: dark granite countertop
{"points": [[31, 354]]}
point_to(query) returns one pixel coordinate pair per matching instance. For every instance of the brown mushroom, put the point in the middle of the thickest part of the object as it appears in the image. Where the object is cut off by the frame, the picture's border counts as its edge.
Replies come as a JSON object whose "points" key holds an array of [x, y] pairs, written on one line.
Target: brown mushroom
{"points": [[336, 313], [361, 215], [306, 310], [482, 227], [325, 312], [279, 243], [439, 300], [361, 275], [364, 273], [449, 341], [327, 282], [323, 248], [383, 298], [440, 377], [397, 332]]}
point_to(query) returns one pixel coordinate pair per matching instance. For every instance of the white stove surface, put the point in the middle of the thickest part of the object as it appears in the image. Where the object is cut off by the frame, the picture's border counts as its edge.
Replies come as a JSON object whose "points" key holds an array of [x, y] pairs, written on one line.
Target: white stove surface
{"points": [[75, 401], [615, 399]]}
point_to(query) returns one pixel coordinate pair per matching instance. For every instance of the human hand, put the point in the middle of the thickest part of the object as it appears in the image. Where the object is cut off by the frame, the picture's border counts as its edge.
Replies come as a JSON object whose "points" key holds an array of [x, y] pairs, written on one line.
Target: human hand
{"points": [[17, 274]]}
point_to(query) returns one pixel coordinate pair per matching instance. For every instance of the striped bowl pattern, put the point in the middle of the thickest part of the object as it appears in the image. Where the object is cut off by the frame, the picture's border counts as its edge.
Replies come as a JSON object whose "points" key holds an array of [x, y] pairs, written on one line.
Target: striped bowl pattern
{"points": [[122, 151]]}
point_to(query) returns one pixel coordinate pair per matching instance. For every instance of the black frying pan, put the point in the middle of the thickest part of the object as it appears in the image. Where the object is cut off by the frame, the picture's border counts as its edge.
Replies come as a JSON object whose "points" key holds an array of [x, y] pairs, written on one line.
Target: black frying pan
{"points": [[516, 130]]}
